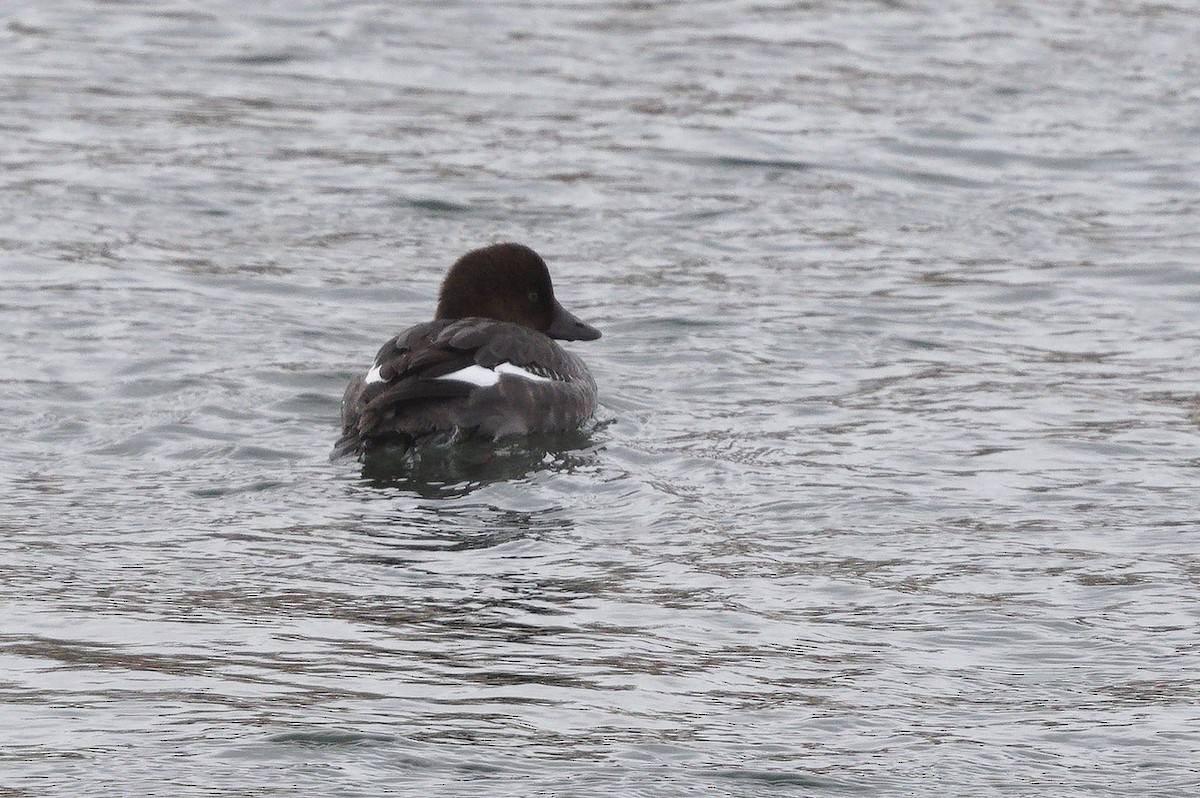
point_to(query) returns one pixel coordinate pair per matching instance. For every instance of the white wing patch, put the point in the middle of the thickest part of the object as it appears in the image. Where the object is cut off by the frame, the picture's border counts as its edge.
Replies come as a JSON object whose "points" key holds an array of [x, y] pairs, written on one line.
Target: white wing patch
{"points": [[373, 375], [478, 375], [517, 371]]}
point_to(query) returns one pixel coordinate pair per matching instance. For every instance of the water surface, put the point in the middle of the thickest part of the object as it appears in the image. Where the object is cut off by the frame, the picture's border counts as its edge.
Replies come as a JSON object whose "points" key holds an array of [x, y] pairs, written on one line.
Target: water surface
{"points": [[894, 489]]}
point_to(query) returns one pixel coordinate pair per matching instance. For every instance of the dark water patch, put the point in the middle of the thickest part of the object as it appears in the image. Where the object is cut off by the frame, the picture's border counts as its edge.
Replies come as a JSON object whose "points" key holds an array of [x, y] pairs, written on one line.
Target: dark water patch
{"points": [[781, 779], [736, 162], [329, 737], [257, 487], [269, 58], [438, 206]]}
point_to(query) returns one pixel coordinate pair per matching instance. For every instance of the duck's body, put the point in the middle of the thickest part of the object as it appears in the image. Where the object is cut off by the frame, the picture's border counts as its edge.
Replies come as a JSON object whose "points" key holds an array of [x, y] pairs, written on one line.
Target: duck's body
{"points": [[486, 366]]}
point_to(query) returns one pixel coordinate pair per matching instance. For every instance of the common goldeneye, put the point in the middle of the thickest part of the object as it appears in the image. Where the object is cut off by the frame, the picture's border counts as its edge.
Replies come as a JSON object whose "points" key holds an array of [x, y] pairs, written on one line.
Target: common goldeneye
{"points": [[484, 367]]}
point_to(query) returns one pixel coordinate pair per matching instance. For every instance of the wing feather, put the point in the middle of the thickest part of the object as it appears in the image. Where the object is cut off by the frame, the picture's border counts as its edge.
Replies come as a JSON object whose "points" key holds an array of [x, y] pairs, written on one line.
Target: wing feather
{"points": [[408, 400]]}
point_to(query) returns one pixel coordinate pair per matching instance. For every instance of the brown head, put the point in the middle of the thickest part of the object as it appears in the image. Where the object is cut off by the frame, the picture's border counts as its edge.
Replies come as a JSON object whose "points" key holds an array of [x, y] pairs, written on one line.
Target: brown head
{"points": [[509, 282]]}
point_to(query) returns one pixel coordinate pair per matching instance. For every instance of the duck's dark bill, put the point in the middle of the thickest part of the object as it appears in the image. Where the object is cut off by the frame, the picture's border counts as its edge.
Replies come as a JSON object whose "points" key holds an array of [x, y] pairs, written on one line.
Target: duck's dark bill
{"points": [[565, 327]]}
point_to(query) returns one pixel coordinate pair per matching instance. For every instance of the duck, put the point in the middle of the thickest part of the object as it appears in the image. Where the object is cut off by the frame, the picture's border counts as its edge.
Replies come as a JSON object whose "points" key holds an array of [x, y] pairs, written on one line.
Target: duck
{"points": [[487, 366]]}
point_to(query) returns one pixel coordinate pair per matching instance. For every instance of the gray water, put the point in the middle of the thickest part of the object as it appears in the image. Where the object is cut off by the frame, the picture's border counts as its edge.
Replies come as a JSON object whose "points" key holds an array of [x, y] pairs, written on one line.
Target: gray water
{"points": [[893, 489]]}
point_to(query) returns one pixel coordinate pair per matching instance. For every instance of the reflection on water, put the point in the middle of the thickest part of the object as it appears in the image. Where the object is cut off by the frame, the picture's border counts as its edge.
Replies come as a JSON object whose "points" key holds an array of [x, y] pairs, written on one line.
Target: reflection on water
{"points": [[899, 304], [444, 471]]}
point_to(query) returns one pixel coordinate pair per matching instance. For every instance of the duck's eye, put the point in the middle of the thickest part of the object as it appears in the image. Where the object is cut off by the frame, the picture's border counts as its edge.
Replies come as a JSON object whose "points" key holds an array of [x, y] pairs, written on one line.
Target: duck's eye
{"points": [[533, 297]]}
